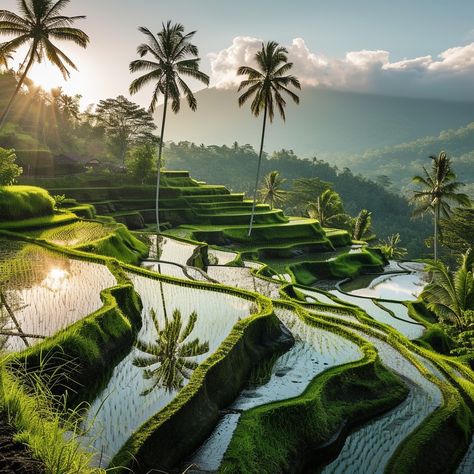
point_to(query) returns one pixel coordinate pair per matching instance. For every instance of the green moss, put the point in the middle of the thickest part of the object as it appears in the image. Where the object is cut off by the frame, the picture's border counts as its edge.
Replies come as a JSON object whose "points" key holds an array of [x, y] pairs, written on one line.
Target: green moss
{"points": [[24, 202]]}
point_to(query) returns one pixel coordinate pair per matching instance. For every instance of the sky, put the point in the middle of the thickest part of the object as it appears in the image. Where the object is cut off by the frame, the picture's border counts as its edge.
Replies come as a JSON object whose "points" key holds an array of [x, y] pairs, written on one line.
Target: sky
{"points": [[422, 48]]}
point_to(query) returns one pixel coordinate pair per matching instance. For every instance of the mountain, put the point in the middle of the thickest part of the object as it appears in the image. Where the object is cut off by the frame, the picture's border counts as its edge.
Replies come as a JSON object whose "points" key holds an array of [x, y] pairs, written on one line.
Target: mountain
{"points": [[401, 162], [326, 121]]}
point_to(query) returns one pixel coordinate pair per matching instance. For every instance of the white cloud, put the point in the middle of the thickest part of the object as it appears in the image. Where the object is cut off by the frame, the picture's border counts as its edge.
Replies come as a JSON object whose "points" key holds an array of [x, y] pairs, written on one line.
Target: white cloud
{"points": [[449, 75]]}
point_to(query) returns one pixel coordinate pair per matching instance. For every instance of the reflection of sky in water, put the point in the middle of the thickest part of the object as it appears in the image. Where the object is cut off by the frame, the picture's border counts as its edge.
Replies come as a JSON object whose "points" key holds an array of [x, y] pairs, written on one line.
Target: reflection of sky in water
{"points": [[46, 291], [400, 287], [123, 409]]}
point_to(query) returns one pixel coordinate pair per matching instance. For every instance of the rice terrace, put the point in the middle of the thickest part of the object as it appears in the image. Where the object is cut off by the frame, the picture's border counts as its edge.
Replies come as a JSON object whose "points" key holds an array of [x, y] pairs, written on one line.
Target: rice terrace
{"points": [[297, 300]]}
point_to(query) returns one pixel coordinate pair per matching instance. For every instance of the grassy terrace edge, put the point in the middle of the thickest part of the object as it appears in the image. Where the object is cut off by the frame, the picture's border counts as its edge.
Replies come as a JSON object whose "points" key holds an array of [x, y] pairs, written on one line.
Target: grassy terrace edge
{"points": [[280, 434]]}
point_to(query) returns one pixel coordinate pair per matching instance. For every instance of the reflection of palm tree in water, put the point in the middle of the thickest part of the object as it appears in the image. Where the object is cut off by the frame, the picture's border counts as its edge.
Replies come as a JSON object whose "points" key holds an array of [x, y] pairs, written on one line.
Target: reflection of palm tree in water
{"points": [[171, 354]]}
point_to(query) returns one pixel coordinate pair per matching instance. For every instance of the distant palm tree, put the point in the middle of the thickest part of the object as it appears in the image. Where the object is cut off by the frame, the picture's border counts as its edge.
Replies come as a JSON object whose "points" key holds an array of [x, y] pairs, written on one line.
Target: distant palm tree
{"points": [[271, 192], [265, 85], [361, 226], [391, 247], [328, 209], [451, 295], [438, 190], [172, 56], [40, 22], [170, 354]]}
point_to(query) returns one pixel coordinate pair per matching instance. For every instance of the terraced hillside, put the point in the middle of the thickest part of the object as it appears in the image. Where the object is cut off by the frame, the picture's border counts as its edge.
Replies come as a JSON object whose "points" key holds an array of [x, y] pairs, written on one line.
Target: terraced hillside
{"points": [[211, 213], [192, 356]]}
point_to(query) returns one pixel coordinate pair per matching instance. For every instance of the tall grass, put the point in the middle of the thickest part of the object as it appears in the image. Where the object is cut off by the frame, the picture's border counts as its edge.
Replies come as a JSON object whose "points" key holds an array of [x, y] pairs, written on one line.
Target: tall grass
{"points": [[43, 423]]}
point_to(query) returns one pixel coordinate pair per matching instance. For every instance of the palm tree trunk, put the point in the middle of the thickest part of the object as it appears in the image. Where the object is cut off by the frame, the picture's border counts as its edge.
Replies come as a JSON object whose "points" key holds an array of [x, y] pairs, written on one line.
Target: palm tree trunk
{"points": [[258, 171], [436, 219], [17, 89], [160, 151]]}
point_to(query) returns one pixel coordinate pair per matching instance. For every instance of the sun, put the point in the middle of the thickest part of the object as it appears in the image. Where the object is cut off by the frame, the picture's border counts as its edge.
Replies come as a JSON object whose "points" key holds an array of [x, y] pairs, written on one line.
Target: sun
{"points": [[46, 76]]}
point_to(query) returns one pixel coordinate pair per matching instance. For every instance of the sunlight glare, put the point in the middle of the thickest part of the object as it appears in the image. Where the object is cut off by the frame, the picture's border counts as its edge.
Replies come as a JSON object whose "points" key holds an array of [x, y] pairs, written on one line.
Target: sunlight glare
{"points": [[56, 280]]}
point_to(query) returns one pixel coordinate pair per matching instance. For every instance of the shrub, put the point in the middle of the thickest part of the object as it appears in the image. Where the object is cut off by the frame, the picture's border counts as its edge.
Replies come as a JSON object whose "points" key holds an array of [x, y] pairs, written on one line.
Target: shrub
{"points": [[9, 170], [24, 202]]}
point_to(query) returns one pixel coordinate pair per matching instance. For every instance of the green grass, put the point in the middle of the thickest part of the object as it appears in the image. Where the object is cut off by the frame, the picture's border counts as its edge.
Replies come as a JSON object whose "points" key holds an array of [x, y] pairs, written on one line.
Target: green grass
{"points": [[60, 218], [23, 202]]}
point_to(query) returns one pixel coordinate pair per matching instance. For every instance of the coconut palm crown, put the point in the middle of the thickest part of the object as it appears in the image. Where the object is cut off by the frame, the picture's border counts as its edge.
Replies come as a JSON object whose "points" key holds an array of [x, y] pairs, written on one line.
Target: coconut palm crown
{"points": [[266, 85], [170, 55], [271, 192], [39, 23], [438, 190]]}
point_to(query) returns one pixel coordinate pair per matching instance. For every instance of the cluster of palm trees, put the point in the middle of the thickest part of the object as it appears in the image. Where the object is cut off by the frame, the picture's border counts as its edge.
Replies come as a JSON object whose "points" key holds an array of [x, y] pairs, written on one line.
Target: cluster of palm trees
{"points": [[164, 59]]}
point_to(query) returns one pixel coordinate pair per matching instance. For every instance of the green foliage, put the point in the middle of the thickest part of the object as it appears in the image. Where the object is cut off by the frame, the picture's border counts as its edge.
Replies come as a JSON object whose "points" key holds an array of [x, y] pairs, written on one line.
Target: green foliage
{"points": [[362, 226], [23, 202], [450, 295], [9, 170], [59, 200], [125, 124], [391, 248], [328, 209], [35, 27], [271, 192], [141, 162], [457, 232], [438, 189]]}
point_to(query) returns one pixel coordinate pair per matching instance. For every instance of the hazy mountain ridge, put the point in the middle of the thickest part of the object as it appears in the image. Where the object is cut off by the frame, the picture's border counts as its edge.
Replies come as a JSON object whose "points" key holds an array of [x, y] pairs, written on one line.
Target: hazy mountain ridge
{"points": [[400, 162], [325, 122]]}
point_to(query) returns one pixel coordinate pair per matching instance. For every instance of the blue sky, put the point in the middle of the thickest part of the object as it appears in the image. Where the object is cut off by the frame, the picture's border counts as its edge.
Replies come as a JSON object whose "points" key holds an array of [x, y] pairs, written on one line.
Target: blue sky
{"points": [[329, 29]]}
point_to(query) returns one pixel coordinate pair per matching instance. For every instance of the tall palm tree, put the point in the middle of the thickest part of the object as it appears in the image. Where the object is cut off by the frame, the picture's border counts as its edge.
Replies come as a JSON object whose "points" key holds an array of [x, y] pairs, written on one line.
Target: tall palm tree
{"points": [[171, 355], [172, 56], [271, 192], [328, 209], [451, 295], [41, 21], [439, 188], [266, 85]]}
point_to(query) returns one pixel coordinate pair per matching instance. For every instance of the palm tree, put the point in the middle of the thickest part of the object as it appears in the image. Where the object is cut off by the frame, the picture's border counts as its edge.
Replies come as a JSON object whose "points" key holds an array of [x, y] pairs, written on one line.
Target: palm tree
{"points": [[361, 226], [391, 247], [438, 190], [41, 21], [266, 85], [271, 192], [172, 56], [328, 209], [451, 296], [171, 355]]}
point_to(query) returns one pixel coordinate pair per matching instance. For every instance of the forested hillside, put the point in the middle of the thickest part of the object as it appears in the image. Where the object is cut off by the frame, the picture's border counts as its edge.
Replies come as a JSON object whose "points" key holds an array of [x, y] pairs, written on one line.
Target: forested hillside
{"points": [[401, 162], [235, 167]]}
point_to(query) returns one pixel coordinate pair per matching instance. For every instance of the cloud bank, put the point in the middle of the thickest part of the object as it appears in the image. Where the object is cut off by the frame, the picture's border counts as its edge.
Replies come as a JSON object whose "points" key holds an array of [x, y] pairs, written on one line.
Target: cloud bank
{"points": [[450, 75]]}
